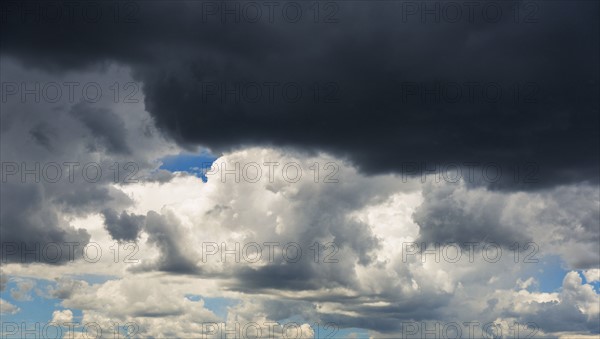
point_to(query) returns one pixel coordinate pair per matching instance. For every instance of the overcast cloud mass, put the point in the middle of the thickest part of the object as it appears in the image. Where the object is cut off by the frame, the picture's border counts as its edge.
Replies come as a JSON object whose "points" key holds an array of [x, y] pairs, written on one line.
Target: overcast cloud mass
{"points": [[307, 169]]}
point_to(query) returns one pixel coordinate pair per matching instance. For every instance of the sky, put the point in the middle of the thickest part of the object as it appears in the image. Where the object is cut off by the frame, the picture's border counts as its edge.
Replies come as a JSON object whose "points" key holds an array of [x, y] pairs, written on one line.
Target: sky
{"points": [[299, 169]]}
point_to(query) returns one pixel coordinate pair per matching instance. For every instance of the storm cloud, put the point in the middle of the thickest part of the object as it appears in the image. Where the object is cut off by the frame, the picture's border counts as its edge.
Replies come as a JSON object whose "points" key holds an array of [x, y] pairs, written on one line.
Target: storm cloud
{"points": [[395, 88]]}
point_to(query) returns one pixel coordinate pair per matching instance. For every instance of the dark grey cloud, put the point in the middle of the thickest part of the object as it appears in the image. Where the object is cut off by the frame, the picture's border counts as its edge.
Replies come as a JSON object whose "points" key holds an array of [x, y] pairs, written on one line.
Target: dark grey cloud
{"points": [[43, 134], [107, 128], [64, 288], [389, 319], [372, 56], [30, 224], [292, 277], [165, 232], [449, 215], [386, 318], [87, 199], [3, 281], [564, 219], [38, 208], [125, 226]]}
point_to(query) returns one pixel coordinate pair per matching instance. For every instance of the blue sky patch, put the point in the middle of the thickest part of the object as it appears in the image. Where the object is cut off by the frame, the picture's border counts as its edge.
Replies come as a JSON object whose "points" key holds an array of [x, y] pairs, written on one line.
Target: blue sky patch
{"points": [[550, 274], [192, 163]]}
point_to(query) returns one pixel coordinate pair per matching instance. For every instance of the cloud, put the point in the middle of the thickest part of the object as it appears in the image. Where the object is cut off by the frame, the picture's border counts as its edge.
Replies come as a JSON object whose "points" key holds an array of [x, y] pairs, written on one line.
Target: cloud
{"points": [[107, 128], [374, 106], [8, 308], [165, 232], [369, 217], [592, 275], [373, 285], [3, 281], [65, 287], [453, 214], [21, 293], [382, 57], [45, 139], [30, 222], [574, 309], [123, 227], [556, 220], [142, 300], [62, 316]]}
